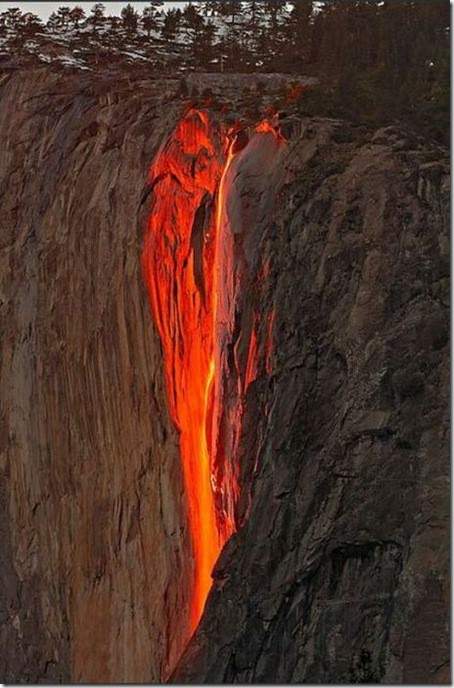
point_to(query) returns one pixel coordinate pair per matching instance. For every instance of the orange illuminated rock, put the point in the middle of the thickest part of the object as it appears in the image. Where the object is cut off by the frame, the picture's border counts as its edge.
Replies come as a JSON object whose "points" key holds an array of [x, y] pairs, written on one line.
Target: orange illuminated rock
{"points": [[193, 277], [178, 261]]}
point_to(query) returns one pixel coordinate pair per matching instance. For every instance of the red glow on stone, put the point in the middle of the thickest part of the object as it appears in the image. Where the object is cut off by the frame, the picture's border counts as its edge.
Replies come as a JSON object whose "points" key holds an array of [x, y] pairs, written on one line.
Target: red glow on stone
{"points": [[265, 127], [188, 261], [252, 360], [270, 125], [183, 297]]}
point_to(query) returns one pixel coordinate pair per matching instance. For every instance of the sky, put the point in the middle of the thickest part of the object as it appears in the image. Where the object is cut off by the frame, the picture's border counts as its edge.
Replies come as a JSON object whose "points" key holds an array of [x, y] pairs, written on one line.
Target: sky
{"points": [[44, 9]]}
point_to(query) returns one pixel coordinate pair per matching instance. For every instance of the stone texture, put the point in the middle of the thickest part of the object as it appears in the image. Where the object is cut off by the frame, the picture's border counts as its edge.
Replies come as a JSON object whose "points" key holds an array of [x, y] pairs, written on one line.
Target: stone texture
{"points": [[94, 542], [340, 572]]}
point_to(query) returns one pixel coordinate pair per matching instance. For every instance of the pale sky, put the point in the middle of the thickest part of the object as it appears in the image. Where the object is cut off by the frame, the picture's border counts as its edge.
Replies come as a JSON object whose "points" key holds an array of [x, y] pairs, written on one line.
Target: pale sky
{"points": [[45, 9]]}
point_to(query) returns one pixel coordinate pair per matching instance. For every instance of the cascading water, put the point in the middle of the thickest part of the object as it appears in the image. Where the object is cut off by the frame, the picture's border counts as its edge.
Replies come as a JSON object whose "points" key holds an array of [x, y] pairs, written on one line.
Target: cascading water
{"points": [[188, 262], [178, 262]]}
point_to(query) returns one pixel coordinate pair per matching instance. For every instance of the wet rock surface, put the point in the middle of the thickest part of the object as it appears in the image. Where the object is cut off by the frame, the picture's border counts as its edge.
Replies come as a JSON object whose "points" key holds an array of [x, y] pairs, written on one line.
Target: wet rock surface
{"points": [[339, 569]]}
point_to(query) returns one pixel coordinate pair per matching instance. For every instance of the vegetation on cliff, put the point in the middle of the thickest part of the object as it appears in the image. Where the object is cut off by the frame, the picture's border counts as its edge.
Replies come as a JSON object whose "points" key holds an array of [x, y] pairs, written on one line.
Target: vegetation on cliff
{"points": [[377, 62]]}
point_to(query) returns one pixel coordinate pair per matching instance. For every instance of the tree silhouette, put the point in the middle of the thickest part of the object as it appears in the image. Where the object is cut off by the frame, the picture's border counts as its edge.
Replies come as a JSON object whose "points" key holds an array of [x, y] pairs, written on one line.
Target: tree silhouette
{"points": [[130, 19], [171, 25], [298, 35], [76, 16], [30, 25], [53, 23], [97, 17], [149, 19], [191, 18], [64, 15], [209, 7], [254, 13], [202, 45], [229, 8], [12, 17]]}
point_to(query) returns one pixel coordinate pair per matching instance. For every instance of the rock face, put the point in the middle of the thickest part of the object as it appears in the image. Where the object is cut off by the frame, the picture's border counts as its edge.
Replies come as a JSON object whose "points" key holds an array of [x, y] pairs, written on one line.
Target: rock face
{"points": [[93, 510], [339, 567], [339, 572]]}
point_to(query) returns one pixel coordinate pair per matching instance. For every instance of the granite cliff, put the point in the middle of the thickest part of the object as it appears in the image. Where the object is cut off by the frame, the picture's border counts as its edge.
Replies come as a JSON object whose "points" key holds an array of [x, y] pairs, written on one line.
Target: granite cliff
{"points": [[333, 398]]}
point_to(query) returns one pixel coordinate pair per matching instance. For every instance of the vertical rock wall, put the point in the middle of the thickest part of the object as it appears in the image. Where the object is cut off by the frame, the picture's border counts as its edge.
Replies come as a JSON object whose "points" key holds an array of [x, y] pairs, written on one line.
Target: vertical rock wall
{"points": [[93, 514], [340, 572], [338, 350]]}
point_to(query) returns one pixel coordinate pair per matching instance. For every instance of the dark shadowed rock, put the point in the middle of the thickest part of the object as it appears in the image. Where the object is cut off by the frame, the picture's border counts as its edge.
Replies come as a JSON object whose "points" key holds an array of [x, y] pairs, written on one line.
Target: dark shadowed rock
{"points": [[340, 571]]}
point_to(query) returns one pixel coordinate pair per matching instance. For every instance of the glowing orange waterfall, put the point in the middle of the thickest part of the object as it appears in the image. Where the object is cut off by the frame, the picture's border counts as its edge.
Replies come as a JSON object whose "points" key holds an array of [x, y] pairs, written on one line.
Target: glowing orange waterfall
{"points": [[189, 265], [178, 262]]}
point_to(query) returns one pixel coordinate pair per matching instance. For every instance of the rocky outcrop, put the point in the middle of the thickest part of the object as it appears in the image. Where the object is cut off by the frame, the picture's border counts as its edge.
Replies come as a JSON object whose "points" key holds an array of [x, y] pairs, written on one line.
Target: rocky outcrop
{"points": [[339, 568]]}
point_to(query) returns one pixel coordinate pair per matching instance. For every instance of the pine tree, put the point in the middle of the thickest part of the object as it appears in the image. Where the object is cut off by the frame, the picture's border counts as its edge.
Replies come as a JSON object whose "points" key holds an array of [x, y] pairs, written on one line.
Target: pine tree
{"points": [[209, 7], [12, 17], [76, 16], [191, 16], [30, 25], [171, 25], [298, 34], [149, 22], [203, 48], [64, 14], [150, 16], [192, 19], [229, 8], [253, 10], [301, 12], [53, 22], [198, 39], [97, 16], [129, 19]]}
